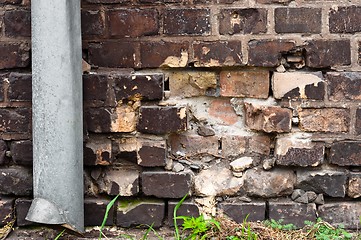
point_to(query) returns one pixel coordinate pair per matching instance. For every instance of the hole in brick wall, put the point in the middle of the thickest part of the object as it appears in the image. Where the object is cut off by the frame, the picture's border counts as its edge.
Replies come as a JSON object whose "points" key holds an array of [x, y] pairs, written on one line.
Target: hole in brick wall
{"points": [[219, 144], [166, 84], [327, 154], [295, 58], [270, 91], [267, 210]]}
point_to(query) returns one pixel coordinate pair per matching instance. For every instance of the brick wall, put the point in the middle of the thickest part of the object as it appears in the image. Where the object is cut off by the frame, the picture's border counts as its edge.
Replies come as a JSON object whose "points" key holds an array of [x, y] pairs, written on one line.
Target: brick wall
{"points": [[251, 107]]}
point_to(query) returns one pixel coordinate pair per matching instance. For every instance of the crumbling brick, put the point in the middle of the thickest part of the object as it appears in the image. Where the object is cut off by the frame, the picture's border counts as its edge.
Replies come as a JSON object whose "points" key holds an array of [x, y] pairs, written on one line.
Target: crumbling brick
{"points": [[354, 185], [152, 154], [98, 151]]}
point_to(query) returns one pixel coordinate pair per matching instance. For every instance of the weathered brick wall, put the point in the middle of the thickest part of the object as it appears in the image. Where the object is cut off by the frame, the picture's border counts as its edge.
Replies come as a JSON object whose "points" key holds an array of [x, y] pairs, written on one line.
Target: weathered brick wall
{"points": [[251, 107]]}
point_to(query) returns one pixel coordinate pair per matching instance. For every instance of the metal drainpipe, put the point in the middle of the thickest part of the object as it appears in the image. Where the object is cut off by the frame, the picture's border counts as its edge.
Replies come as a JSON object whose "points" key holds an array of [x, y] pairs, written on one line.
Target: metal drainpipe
{"points": [[57, 114]]}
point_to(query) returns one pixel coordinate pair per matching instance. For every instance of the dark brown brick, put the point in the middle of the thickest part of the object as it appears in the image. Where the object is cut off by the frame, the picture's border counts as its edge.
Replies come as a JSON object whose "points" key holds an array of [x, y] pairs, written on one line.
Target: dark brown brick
{"points": [[291, 212], [22, 207], [344, 86], [92, 23], [97, 119], [17, 23], [2, 2], [15, 120], [187, 22], [19, 87], [273, 1], [267, 53], [22, 152], [108, 1], [327, 53], [187, 208], [152, 154], [162, 120], [331, 183], [3, 149], [358, 121], [7, 210], [133, 22], [346, 214], [1, 87], [113, 54], [137, 212], [239, 211], [324, 119], [94, 212], [97, 88], [169, 54], [243, 21], [14, 55], [298, 20], [345, 19], [139, 86], [345, 153], [16, 180], [268, 118], [216, 54], [166, 184]]}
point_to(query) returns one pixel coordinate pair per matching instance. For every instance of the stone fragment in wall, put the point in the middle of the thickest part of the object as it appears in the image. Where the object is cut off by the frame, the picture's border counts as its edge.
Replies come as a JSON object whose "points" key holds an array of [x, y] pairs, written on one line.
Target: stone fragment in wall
{"points": [[191, 83], [298, 150], [188, 145], [178, 167], [291, 212], [311, 196], [354, 185], [298, 85], [135, 212], [274, 183], [233, 145], [205, 131], [346, 153], [332, 120], [319, 199], [346, 214], [268, 118], [302, 199], [152, 154], [124, 119], [241, 164], [85, 66], [329, 182], [344, 86], [116, 181], [217, 181], [98, 151], [207, 206], [297, 193], [268, 163]]}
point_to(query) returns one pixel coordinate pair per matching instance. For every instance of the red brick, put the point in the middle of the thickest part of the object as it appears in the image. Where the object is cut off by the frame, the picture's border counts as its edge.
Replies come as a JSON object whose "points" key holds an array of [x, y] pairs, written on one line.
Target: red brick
{"points": [[267, 53], [345, 19], [344, 86], [326, 53], [268, 118], [222, 110], [166, 184], [239, 211], [20, 87], [15, 120], [169, 54], [244, 84], [22, 152], [187, 21], [324, 120], [216, 54], [346, 214], [162, 120], [345, 153], [133, 22], [291, 212], [260, 144], [242, 21], [298, 20], [17, 23], [94, 212], [92, 23], [152, 154], [113, 54], [135, 212], [193, 145], [14, 55]]}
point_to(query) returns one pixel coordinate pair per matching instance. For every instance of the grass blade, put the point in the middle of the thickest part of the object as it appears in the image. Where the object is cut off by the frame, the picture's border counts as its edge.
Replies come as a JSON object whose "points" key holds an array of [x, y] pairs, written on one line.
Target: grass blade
{"points": [[59, 235], [177, 236], [109, 206]]}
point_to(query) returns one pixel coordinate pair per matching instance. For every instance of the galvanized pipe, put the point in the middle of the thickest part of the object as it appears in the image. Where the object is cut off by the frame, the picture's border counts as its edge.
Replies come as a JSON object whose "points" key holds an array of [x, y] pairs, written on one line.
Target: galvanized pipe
{"points": [[57, 114]]}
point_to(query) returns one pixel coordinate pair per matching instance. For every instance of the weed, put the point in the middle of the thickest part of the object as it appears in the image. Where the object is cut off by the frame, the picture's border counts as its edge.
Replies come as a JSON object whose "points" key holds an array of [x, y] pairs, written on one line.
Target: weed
{"points": [[176, 229], [109, 206], [198, 226], [279, 225], [322, 230]]}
